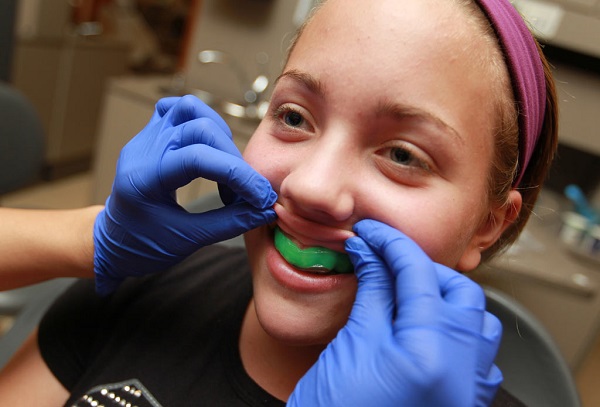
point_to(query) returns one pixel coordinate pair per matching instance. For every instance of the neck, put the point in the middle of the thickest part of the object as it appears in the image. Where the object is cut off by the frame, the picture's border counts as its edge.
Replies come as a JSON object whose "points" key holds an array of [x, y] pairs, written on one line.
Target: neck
{"points": [[273, 364]]}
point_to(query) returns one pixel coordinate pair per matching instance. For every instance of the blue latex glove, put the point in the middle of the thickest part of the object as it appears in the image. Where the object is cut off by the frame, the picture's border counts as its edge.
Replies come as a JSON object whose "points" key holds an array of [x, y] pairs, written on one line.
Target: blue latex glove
{"points": [[142, 228], [418, 334]]}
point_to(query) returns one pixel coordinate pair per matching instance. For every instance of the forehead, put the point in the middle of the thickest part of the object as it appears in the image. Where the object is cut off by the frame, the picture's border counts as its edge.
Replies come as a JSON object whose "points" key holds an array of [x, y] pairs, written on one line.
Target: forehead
{"points": [[391, 24], [381, 34]]}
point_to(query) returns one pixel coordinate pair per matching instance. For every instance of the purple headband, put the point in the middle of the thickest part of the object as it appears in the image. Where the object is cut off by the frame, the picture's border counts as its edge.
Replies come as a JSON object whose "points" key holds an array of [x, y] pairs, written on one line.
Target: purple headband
{"points": [[526, 71]]}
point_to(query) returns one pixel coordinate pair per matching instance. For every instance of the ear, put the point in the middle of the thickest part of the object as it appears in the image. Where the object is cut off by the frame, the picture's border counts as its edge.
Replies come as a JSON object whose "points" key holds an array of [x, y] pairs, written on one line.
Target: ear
{"points": [[490, 231]]}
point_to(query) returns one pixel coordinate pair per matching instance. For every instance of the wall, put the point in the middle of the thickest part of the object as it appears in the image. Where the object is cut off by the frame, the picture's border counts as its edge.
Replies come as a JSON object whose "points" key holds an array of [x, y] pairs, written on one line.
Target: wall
{"points": [[241, 28]]}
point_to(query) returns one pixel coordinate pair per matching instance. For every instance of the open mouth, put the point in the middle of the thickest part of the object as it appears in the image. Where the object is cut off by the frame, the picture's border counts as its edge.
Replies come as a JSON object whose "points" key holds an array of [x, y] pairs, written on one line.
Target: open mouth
{"points": [[318, 260]]}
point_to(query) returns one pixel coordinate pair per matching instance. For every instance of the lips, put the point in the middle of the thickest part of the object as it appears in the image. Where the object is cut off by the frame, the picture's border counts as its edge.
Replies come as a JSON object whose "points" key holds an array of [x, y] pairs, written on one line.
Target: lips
{"points": [[305, 235]]}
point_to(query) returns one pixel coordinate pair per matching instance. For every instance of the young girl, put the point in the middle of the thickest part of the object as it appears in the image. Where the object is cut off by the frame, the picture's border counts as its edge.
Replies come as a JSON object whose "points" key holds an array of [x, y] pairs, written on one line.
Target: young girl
{"points": [[413, 136]]}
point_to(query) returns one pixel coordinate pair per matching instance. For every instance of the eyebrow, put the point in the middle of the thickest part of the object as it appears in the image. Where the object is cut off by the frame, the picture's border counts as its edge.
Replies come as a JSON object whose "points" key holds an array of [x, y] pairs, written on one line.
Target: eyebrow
{"points": [[388, 108], [303, 78], [399, 111]]}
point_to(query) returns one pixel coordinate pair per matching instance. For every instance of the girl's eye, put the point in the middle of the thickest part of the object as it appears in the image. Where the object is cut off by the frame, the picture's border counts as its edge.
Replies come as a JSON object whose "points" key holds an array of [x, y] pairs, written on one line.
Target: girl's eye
{"points": [[293, 118], [407, 156], [402, 156], [405, 163]]}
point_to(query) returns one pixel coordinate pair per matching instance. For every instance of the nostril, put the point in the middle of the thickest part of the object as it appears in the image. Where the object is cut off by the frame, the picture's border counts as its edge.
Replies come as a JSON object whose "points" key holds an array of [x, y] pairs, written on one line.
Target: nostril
{"points": [[318, 201]]}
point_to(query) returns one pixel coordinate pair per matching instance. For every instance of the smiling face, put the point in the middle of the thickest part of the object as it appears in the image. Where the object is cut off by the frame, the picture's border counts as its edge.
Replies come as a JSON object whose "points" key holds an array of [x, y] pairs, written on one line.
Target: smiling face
{"points": [[382, 113]]}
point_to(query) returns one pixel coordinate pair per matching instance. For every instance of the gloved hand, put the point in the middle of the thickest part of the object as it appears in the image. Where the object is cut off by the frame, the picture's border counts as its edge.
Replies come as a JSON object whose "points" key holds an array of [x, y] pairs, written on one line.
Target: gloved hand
{"points": [[418, 333], [142, 228]]}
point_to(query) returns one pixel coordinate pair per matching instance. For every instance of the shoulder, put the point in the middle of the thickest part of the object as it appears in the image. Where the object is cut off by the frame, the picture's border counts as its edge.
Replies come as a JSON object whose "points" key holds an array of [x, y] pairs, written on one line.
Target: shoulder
{"points": [[215, 265], [215, 273], [207, 274], [198, 304]]}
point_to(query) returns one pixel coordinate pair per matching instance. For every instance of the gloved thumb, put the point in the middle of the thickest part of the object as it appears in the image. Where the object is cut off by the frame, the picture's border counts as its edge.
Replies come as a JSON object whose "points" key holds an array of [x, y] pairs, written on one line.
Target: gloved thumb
{"points": [[489, 375], [374, 302], [491, 336]]}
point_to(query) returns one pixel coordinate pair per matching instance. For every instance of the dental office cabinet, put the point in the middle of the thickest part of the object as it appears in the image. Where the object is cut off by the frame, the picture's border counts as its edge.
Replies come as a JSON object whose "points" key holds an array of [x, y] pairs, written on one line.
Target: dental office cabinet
{"points": [[62, 69]]}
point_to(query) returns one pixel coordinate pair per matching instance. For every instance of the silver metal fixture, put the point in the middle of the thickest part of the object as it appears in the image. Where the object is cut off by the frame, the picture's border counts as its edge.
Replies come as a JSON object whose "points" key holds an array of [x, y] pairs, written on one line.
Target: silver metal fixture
{"points": [[253, 90]]}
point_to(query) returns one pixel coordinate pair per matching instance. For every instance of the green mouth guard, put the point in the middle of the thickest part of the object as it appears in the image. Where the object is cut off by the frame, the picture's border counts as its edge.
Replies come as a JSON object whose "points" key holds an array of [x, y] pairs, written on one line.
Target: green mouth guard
{"points": [[311, 257]]}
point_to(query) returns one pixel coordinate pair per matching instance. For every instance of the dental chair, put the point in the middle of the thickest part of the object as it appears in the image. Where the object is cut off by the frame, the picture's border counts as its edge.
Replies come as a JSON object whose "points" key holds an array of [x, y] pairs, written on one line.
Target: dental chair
{"points": [[534, 369], [21, 140], [25, 307]]}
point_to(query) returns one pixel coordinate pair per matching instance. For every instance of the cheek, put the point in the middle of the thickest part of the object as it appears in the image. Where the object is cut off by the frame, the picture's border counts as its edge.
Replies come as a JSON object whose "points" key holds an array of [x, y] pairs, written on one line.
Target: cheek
{"points": [[252, 150], [440, 229], [268, 159]]}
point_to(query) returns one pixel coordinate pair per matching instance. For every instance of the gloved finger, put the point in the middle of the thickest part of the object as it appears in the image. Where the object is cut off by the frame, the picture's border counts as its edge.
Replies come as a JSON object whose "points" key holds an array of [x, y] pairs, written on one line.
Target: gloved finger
{"points": [[460, 290], [416, 278], [157, 116], [180, 167], [189, 108], [227, 222], [487, 386], [494, 378], [205, 131], [164, 104], [197, 131], [491, 331], [374, 303]]}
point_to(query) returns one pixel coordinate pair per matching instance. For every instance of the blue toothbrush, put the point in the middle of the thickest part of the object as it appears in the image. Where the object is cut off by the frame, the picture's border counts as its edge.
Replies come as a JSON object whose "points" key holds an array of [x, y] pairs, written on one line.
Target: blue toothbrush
{"points": [[582, 206]]}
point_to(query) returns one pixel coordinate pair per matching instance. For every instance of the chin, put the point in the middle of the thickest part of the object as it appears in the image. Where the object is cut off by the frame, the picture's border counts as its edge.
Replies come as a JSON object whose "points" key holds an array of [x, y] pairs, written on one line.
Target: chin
{"points": [[290, 306], [298, 324]]}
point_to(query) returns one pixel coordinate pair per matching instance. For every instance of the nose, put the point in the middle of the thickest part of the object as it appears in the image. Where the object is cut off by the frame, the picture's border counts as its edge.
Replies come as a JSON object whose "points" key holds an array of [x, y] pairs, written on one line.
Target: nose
{"points": [[320, 184]]}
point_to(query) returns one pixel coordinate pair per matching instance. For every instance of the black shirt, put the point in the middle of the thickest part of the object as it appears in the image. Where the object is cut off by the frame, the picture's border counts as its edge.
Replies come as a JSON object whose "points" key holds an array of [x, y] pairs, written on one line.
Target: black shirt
{"points": [[170, 339]]}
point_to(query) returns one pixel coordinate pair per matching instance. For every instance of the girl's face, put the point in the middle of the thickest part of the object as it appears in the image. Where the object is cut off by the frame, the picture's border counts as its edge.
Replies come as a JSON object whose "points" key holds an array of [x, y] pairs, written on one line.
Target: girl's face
{"points": [[381, 113]]}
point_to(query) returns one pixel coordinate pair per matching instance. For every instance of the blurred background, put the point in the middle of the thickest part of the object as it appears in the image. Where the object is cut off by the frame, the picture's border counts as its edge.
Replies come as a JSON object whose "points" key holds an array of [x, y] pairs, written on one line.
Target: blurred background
{"points": [[92, 70]]}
